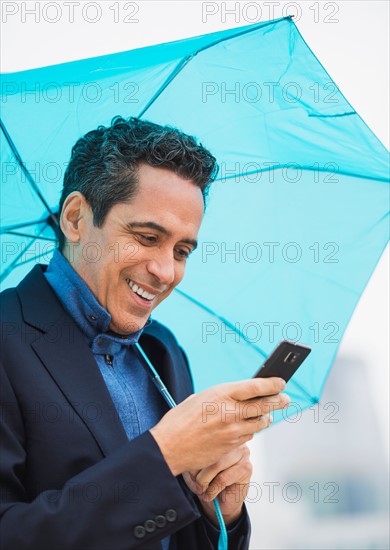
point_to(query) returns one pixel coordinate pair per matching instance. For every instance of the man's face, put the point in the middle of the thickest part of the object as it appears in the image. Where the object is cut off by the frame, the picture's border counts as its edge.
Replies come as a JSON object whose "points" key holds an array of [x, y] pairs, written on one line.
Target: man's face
{"points": [[141, 248]]}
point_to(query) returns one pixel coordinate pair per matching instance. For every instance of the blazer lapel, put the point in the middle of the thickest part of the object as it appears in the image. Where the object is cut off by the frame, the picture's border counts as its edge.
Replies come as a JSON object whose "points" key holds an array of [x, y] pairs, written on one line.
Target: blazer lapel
{"points": [[168, 359], [65, 354]]}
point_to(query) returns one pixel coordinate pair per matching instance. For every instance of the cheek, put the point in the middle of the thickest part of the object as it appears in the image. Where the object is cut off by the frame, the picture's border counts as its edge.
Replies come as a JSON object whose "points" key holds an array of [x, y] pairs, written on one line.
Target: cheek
{"points": [[128, 254], [179, 272]]}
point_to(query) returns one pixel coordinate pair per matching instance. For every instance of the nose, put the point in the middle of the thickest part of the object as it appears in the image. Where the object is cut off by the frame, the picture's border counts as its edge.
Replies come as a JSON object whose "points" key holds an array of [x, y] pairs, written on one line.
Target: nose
{"points": [[163, 268]]}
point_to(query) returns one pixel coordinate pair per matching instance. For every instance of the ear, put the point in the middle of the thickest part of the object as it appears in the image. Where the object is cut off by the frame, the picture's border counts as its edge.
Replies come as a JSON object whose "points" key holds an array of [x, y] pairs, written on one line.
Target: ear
{"points": [[74, 214]]}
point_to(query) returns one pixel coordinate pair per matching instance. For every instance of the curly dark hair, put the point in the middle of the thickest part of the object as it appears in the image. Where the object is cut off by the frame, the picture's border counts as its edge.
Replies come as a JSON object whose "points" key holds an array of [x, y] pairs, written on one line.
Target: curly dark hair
{"points": [[104, 163]]}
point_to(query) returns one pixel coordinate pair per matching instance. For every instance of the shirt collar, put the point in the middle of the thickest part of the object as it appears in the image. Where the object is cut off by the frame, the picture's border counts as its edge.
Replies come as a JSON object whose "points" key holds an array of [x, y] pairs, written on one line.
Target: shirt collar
{"points": [[79, 301]]}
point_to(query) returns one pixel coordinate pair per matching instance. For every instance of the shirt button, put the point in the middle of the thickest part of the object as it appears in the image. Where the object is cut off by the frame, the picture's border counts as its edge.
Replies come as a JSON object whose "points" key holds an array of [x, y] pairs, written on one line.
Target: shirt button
{"points": [[150, 526], [92, 317], [161, 521], [171, 515], [139, 532], [109, 360]]}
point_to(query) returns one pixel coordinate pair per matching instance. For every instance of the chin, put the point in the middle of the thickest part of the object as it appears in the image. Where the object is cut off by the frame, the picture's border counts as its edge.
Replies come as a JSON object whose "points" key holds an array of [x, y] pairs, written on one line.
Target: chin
{"points": [[129, 327]]}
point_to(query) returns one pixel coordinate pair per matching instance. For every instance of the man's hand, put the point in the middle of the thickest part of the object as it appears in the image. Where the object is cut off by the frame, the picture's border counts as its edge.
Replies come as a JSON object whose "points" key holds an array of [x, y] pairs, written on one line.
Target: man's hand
{"points": [[208, 425], [228, 479]]}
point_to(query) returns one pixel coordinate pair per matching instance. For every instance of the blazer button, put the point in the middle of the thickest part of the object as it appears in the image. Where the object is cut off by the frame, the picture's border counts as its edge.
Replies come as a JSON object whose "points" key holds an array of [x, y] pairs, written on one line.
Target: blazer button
{"points": [[150, 526], [171, 515], [161, 521], [139, 532]]}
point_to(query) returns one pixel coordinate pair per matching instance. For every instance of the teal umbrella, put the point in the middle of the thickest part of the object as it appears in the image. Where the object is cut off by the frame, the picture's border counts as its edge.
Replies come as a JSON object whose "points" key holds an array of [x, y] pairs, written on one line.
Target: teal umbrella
{"points": [[295, 223]]}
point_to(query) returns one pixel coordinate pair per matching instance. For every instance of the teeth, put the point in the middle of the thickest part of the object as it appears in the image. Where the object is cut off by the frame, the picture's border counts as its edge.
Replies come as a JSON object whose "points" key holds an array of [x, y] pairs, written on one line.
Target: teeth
{"points": [[140, 291]]}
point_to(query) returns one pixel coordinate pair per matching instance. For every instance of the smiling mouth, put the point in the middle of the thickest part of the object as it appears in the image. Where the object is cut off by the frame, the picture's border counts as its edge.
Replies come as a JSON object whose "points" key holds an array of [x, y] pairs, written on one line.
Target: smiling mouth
{"points": [[147, 296]]}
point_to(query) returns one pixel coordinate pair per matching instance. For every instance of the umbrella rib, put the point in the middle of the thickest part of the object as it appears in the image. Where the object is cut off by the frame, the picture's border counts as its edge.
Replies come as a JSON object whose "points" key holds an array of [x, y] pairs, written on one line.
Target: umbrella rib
{"points": [[168, 80], [29, 236], [26, 172], [14, 264], [19, 225], [183, 62], [225, 321]]}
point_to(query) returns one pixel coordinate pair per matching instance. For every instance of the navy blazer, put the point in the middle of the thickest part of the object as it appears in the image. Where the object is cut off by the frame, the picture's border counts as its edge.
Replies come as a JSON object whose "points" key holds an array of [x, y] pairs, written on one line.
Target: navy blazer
{"points": [[69, 477]]}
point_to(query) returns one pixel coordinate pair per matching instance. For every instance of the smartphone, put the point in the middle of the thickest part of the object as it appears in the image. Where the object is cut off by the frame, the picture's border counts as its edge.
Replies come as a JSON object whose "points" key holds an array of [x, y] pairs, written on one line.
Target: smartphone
{"points": [[283, 361]]}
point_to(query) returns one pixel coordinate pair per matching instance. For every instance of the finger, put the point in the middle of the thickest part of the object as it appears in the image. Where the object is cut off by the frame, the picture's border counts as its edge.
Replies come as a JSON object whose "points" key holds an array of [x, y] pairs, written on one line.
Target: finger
{"points": [[206, 475], [257, 407], [192, 484], [239, 492], [255, 387], [256, 425], [194, 473], [240, 474], [245, 438]]}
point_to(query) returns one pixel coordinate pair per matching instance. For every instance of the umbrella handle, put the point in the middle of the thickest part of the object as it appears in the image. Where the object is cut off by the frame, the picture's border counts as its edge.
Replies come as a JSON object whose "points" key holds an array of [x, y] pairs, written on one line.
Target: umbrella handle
{"points": [[223, 536]]}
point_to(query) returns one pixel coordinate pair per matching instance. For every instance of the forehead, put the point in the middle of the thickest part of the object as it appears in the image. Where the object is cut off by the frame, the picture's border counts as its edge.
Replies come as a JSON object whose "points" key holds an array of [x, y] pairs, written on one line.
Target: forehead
{"points": [[166, 198], [165, 181]]}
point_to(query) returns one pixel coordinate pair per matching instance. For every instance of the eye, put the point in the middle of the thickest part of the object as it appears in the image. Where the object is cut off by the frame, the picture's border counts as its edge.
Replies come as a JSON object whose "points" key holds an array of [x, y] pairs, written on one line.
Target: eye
{"points": [[182, 253], [151, 239]]}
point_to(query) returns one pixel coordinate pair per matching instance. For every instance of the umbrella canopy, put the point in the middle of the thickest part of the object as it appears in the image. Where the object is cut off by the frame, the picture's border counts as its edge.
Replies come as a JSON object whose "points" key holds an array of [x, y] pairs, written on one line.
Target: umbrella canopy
{"points": [[296, 220]]}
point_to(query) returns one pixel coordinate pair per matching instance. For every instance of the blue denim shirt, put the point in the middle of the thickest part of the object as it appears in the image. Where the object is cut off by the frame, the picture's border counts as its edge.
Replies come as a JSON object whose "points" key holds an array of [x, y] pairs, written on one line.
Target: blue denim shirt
{"points": [[138, 402]]}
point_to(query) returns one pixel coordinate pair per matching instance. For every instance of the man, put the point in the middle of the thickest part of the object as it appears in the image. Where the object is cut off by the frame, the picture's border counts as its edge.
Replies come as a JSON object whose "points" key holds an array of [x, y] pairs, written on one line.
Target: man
{"points": [[92, 456]]}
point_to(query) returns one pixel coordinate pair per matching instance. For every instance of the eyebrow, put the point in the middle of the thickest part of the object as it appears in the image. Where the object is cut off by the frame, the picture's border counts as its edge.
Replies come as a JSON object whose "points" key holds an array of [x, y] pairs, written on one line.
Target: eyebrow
{"points": [[161, 229]]}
